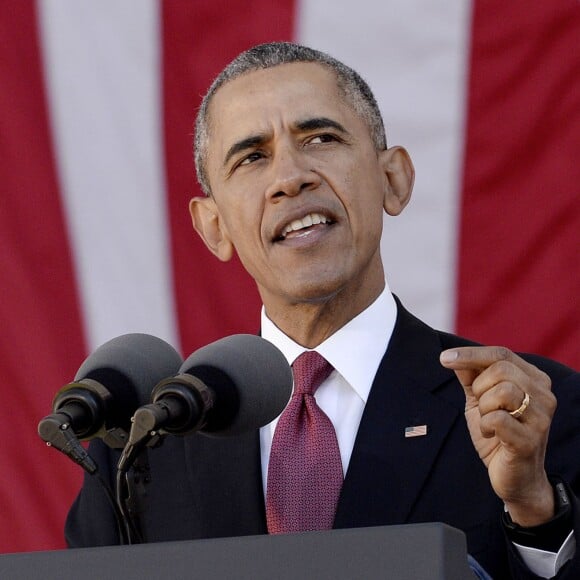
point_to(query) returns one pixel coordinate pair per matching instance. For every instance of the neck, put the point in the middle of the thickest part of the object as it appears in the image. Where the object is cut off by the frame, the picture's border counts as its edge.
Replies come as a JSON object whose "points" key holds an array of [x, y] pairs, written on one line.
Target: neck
{"points": [[311, 323]]}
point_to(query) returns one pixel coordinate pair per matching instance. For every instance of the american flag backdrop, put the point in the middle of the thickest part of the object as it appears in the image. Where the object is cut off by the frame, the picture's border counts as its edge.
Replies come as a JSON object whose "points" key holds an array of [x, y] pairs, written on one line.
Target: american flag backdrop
{"points": [[97, 102]]}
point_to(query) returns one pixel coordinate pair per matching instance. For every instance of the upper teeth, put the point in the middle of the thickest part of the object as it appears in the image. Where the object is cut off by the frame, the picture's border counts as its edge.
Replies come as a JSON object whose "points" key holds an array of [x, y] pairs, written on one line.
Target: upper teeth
{"points": [[305, 222]]}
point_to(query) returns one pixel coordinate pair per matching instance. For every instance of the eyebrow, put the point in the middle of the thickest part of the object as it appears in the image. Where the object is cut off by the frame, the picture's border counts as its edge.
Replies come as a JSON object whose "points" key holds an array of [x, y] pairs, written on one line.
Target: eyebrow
{"points": [[254, 141], [320, 123], [250, 142]]}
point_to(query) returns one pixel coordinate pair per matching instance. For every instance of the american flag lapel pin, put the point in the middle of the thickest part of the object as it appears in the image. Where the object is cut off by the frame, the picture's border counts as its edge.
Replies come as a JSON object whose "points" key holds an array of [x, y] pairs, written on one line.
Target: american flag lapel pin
{"points": [[416, 431]]}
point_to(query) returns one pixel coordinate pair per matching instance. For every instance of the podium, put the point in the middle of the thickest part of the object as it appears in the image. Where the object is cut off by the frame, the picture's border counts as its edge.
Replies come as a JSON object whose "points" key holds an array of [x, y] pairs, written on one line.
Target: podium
{"points": [[408, 552]]}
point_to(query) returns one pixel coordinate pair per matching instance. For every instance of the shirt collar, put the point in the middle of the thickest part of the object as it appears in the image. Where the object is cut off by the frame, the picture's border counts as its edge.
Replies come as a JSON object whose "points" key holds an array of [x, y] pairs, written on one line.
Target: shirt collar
{"points": [[355, 350]]}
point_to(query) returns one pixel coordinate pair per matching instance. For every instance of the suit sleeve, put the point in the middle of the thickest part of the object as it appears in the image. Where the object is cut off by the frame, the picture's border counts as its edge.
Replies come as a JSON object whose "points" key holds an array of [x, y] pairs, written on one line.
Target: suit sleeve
{"points": [[562, 459]]}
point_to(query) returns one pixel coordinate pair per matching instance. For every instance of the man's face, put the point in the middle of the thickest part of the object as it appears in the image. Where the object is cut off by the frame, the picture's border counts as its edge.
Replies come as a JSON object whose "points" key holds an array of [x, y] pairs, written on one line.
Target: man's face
{"points": [[298, 187]]}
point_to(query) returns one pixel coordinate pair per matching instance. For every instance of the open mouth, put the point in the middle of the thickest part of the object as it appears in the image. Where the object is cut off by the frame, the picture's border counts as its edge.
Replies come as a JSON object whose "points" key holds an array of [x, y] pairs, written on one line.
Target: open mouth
{"points": [[299, 226]]}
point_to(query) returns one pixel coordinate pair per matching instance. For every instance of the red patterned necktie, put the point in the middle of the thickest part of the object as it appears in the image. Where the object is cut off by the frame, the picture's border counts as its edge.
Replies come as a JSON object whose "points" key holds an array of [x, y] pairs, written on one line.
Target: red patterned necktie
{"points": [[305, 469]]}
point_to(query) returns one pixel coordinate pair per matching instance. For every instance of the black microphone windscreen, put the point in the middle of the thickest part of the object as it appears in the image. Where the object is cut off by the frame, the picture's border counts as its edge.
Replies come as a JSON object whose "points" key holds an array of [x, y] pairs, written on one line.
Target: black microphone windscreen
{"points": [[129, 366], [251, 377]]}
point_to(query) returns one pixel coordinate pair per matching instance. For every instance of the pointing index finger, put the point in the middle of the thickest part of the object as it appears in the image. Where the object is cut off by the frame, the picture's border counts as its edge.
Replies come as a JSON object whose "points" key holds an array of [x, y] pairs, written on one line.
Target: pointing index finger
{"points": [[470, 361], [480, 357]]}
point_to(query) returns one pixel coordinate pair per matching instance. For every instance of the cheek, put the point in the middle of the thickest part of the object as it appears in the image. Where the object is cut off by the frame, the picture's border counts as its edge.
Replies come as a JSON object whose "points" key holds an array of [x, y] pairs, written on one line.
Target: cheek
{"points": [[364, 198], [242, 218], [245, 236]]}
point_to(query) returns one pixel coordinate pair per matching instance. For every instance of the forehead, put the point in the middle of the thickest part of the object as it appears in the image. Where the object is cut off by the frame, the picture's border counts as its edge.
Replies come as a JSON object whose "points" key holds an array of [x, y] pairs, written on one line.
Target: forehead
{"points": [[262, 84], [261, 100]]}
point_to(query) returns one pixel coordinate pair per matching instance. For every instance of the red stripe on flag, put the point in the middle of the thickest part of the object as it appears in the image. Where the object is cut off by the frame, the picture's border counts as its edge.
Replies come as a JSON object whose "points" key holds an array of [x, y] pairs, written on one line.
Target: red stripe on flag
{"points": [[213, 299], [41, 340], [519, 266]]}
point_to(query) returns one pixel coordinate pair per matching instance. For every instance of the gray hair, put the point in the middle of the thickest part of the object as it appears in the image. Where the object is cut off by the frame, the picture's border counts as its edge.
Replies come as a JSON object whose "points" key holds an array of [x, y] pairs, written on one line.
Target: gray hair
{"points": [[356, 91]]}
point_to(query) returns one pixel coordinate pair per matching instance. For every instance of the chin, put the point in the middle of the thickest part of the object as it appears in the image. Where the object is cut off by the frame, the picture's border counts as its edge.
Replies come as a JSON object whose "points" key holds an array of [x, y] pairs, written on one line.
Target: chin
{"points": [[315, 292]]}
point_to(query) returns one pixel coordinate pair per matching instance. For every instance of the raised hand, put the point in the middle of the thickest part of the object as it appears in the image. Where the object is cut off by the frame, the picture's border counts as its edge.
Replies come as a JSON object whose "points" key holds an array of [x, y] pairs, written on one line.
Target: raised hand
{"points": [[509, 408]]}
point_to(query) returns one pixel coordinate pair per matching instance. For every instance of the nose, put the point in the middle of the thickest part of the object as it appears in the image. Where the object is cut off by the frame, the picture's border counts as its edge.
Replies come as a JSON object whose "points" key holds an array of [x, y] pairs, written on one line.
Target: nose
{"points": [[291, 174]]}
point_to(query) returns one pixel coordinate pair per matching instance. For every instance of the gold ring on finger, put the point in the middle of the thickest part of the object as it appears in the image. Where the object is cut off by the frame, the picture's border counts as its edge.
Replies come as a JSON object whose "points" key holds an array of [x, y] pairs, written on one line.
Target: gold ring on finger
{"points": [[522, 408]]}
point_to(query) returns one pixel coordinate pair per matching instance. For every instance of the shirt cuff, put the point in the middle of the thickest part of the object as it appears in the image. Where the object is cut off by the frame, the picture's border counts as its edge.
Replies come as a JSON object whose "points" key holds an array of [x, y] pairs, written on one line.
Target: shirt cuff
{"points": [[547, 564]]}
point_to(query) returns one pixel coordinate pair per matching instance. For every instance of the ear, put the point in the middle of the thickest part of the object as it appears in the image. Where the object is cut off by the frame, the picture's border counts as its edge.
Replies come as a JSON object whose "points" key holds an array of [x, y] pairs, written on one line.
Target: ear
{"points": [[209, 225], [399, 179]]}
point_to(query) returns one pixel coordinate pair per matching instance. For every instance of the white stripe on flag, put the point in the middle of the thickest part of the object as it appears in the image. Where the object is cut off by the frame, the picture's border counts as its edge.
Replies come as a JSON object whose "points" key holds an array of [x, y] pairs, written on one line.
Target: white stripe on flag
{"points": [[103, 81], [414, 56]]}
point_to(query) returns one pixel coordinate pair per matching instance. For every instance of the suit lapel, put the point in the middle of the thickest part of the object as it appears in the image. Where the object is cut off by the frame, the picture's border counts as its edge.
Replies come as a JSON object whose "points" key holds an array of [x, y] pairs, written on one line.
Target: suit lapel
{"points": [[388, 470]]}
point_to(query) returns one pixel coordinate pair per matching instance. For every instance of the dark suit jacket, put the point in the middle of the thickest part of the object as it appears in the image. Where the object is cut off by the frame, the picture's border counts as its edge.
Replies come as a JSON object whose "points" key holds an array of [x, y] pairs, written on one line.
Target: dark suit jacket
{"points": [[206, 487]]}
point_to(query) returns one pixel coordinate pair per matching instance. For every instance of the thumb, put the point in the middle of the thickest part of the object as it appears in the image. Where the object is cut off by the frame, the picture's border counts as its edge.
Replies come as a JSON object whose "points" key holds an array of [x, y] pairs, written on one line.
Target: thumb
{"points": [[466, 377]]}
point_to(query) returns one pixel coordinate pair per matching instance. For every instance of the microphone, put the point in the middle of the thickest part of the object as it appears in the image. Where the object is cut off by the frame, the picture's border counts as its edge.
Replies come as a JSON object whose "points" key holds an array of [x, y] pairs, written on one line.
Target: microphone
{"points": [[109, 386], [228, 387]]}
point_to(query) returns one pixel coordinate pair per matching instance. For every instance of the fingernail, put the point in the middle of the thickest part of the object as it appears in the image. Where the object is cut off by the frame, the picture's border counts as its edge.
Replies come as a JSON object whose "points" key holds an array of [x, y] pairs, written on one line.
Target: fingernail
{"points": [[448, 356]]}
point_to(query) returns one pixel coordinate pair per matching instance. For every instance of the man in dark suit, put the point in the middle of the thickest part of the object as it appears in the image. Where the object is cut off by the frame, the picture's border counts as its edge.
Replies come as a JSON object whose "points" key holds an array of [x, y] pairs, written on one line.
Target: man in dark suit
{"points": [[292, 156]]}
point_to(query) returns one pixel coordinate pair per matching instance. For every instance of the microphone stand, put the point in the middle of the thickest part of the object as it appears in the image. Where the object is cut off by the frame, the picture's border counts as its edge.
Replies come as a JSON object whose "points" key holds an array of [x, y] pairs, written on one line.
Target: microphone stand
{"points": [[133, 477], [132, 494]]}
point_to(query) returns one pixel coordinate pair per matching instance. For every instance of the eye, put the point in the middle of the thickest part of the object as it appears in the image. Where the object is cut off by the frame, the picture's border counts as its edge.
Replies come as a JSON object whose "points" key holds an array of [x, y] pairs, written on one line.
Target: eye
{"points": [[323, 138], [255, 156]]}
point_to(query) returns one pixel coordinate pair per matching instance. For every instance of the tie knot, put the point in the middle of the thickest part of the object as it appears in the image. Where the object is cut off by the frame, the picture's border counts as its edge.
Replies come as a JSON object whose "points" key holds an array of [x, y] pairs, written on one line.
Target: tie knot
{"points": [[310, 370]]}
